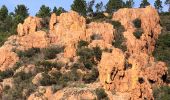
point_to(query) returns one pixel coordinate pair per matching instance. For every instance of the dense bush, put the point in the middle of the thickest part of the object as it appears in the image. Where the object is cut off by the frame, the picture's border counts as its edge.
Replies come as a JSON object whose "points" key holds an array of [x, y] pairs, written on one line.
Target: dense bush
{"points": [[97, 53], [162, 93], [3, 37], [116, 24], [85, 54], [92, 76], [21, 89], [28, 53], [6, 74], [161, 52], [138, 33], [137, 23], [47, 65], [23, 76], [167, 26], [47, 80], [101, 94], [50, 53], [82, 43]]}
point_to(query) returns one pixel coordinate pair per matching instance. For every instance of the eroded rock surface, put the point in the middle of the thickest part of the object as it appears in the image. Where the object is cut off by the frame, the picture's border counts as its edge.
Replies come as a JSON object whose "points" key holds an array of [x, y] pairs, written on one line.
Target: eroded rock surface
{"points": [[131, 73], [8, 58], [134, 71]]}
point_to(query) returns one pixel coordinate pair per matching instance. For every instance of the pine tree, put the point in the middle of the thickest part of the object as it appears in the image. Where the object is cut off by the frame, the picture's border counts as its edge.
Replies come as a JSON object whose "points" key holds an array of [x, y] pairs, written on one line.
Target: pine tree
{"points": [[144, 3], [3, 13], [44, 11], [99, 7], [114, 5], [79, 6], [21, 10], [167, 2], [90, 7], [158, 5], [58, 11], [129, 4]]}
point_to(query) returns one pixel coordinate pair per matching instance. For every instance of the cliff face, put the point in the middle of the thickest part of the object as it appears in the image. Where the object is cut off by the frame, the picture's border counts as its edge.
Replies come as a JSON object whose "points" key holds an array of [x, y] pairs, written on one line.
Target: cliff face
{"points": [[132, 72]]}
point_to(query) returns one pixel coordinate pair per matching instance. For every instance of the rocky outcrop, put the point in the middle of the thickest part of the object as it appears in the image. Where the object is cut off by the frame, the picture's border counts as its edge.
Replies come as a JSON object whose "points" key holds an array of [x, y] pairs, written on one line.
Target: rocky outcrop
{"points": [[100, 31], [30, 25], [134, 71], [150, 24], [37, 40], [131, 73], [8, 58]]}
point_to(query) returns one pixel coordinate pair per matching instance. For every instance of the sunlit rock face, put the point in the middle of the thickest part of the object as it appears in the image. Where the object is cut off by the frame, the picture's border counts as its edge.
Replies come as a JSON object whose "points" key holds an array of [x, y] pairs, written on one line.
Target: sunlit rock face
{"points": [[8, 57], [150, 24], [134, 71], [69, 28]]}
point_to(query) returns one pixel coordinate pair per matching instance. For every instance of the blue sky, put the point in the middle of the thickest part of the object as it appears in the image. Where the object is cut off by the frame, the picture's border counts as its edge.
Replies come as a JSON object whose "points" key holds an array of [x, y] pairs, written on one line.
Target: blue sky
{"points": [[34, 5]]}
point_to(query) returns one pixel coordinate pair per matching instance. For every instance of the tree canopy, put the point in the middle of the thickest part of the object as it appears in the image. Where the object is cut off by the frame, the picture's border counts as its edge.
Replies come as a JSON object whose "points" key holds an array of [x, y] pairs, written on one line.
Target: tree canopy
{"points": [[114, 5], [158, 5], [79, 6], [144, 3], [44, 11]]}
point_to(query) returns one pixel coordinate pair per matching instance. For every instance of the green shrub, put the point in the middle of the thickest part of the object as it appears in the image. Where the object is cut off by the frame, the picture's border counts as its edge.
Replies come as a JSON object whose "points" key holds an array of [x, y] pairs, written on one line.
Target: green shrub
{"points": [[28, 53], [116, 24], [88, 64], [119, 41], [101, 94], [47, 80], [162, 93], [97, 53], [50, 53], [167, 26], [98, 15], [47, 65], [137, 23], [23, 76], [3, 37], [161, 52], [82, 43], [138, 33], [92, 76], [85, 54], [6, 74], [21, 89]]}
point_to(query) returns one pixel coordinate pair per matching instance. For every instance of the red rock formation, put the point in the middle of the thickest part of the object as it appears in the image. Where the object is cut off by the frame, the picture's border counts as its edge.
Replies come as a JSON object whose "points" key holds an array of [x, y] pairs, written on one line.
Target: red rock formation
{"points": [[37, 40], [100, 31], [8, 58], [30, 25], [150, 23], [135, 71]]}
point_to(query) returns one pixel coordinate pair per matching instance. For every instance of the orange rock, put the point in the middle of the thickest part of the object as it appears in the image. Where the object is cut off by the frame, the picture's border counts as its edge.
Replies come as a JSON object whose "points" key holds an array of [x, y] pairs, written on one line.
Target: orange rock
{"points": [[8, 58], [37, 40], [100, 31], [30, 25]]}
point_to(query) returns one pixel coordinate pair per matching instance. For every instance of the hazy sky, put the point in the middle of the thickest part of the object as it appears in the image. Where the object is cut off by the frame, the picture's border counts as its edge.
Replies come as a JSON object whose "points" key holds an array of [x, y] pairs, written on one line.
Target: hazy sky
{"points": [[34, 5]]}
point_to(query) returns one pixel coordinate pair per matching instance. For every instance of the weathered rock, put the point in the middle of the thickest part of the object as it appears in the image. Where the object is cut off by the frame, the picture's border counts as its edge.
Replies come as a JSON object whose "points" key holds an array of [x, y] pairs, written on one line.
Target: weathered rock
{"points": [[36, 40], [36, 80], [150, 23], [134, 71], [53, 21], [8, 58], [30, 25], [100, 31]]}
